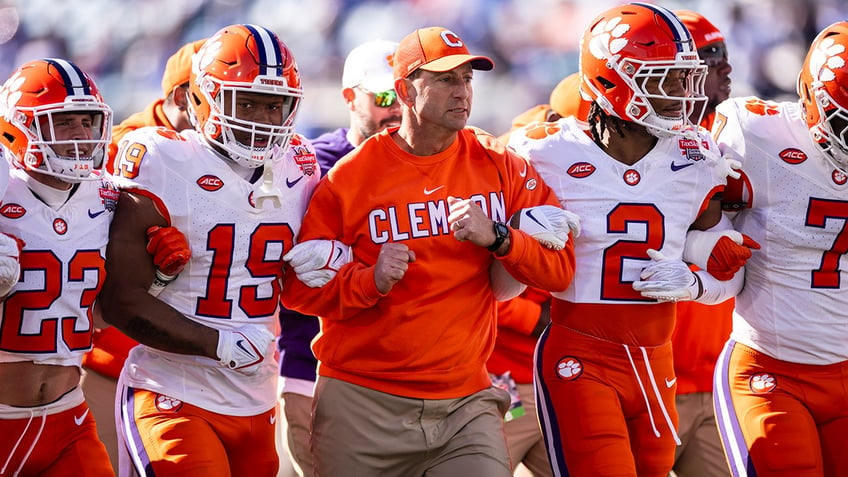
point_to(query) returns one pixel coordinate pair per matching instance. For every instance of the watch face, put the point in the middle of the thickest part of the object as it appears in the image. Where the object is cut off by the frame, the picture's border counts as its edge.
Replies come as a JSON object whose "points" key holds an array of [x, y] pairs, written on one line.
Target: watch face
{"points": [[501, 230]]}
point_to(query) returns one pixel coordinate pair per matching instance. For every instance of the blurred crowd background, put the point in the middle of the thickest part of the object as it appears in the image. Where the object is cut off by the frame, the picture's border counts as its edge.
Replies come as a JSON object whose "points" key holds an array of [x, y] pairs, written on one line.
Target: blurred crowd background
{"points": [[534, 43]]}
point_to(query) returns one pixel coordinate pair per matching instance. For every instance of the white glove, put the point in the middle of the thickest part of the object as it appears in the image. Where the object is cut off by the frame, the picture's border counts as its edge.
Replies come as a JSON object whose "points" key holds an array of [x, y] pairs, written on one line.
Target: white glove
{"points": [[548, 224], [10, 265], [243, 349], [667, 280], [316, 262]]}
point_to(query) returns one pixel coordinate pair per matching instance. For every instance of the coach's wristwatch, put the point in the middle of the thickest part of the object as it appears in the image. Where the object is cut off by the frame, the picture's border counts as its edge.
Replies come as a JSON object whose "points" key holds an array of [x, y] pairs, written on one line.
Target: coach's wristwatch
{"points": [[501, 234]]}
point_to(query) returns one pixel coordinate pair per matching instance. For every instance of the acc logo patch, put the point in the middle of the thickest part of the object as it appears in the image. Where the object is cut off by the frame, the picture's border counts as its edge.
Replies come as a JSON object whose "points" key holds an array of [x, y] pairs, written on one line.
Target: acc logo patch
{"points": [[790, 155], [167, 403], [12, 211], [210, 183], [762, 383], [530, 184], [569, 368], [580, 170]]}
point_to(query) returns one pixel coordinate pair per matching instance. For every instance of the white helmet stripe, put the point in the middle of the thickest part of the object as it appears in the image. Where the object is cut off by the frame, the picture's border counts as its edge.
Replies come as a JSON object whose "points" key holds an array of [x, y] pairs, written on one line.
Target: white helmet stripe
{"points": [[270, 57], [681, 34], [73, 78]]}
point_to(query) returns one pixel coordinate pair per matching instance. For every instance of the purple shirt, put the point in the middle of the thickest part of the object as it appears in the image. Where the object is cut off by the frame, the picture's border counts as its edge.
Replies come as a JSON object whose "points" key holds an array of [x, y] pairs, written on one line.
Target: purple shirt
{"points": [[296, 330]]}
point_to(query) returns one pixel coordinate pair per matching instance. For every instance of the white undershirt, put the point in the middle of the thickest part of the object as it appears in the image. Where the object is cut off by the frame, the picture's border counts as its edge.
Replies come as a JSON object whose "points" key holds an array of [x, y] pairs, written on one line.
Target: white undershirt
{"points": [[54, 198]]}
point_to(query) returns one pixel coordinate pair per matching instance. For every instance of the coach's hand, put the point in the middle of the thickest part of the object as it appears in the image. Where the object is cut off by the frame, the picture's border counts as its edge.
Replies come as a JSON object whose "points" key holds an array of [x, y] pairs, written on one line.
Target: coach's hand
{"points": [[391, 266]]}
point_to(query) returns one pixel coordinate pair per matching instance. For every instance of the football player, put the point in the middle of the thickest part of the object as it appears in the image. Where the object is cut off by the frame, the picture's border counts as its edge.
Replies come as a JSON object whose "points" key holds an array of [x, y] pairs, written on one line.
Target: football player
{"points": [[55, 128], [111, 347], [780, 383], [640, 176], [199, 394]]}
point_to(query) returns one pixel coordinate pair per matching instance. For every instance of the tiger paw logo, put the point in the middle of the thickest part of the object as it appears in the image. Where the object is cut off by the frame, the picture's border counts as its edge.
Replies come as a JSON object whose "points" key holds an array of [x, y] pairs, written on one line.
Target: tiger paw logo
{"points": [[761, 108], [167, 403], [569, 368], [541, 130], [10, 94], [206, 54], [608, 38], [762, 383], [825, 59]]}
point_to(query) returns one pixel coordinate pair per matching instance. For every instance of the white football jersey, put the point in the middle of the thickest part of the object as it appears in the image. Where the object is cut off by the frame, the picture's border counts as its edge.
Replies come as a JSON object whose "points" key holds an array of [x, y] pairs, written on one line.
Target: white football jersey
{"points": [[47, 316], [624, 210], [233, 277], [794, 305]]}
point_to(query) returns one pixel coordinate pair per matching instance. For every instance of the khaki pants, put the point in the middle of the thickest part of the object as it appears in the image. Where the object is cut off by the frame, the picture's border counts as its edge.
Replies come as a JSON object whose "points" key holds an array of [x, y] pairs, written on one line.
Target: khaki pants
{"points": [[524, 436], [357, 431], [297, 415], [699, 453]]}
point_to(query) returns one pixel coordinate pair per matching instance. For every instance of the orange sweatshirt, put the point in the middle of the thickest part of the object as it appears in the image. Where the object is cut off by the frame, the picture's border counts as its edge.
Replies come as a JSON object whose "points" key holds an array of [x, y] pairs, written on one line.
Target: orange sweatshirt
{"points": [[431, 335]]}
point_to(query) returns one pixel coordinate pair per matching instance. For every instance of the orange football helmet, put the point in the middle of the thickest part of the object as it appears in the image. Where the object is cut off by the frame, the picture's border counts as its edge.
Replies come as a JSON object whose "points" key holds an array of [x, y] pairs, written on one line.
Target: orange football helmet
{"points": [[823, 88], [243, 59], [30, 101], [629, 46]]}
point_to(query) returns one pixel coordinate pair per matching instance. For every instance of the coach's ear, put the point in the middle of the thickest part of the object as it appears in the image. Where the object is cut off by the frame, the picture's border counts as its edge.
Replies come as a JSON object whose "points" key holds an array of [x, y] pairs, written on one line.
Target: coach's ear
{"points": [[405, 91]]}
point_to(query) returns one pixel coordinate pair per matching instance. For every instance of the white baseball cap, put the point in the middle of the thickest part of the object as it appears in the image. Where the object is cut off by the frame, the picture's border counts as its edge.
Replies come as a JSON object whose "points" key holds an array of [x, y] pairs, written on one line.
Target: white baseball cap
{"points": [[369, 66]]}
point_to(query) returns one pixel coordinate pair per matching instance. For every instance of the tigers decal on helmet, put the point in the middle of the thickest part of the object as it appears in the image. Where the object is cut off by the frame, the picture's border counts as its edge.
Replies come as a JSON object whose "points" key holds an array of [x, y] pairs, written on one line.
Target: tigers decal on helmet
{"points": [[629, 46], [822, 87]]}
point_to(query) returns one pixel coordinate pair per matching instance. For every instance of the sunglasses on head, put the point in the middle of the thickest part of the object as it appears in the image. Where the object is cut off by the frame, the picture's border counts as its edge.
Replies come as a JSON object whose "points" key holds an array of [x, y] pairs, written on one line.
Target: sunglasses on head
{"points": [[383, 99]]}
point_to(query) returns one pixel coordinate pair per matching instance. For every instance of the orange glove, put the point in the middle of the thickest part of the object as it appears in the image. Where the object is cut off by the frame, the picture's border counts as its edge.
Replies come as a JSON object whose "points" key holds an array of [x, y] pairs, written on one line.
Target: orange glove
{"points": [[169, 248], [728, 256]]}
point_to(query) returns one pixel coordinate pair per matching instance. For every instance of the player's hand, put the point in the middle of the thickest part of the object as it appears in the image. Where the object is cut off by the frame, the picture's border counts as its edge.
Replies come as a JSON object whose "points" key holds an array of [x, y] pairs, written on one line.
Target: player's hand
{"points": [[548, 224], [667, 279], [169, 248], [316, 262], [730, 253], [243, 349], [10, 266], [720, 252], [392, 264]]}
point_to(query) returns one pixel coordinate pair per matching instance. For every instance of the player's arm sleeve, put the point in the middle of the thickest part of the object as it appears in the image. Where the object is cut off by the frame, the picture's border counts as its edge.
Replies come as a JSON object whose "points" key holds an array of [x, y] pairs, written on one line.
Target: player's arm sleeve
{"points": [[352, 290], [125, 301], [716, 291]]}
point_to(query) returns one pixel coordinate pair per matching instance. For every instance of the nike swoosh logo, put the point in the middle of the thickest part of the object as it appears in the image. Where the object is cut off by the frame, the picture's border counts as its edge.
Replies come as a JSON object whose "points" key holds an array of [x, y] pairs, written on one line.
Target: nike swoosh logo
{"points": [[240, 344], [524, 172], [430, 191], [530, 214], [677, 167], [94, 215], [273, 419], [338, 254], [291, 184], [78, 420], [670, 382]]}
